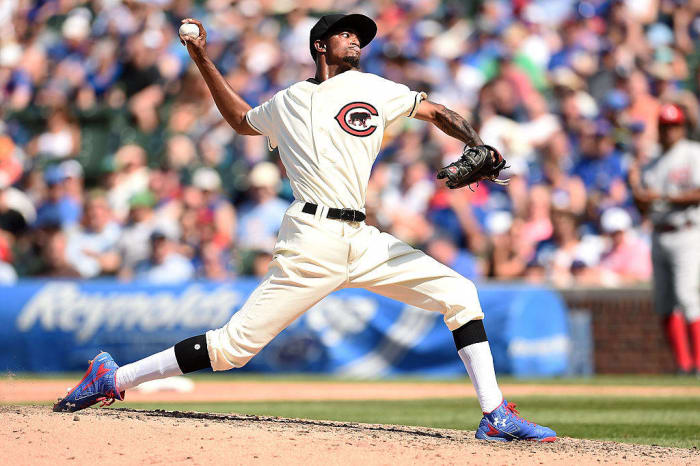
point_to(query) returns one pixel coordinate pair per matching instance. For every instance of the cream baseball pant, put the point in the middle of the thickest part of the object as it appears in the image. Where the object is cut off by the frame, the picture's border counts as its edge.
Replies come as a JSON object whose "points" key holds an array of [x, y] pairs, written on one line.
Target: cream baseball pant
{"points": [[675, 257], [315, 256]]}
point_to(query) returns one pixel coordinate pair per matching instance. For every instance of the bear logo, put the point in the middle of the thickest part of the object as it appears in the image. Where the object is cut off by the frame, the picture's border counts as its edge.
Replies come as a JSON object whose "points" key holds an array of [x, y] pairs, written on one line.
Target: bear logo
{"points": [[357, 118]]}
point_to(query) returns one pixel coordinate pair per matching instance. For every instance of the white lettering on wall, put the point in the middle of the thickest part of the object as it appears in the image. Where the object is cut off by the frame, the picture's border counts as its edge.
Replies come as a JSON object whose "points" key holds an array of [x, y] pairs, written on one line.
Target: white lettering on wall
{"points": [[64, 307]]}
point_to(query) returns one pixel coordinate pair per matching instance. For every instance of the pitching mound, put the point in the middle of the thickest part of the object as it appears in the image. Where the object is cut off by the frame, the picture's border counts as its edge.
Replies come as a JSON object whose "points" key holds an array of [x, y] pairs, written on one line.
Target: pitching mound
{"points": [[37, 436]]}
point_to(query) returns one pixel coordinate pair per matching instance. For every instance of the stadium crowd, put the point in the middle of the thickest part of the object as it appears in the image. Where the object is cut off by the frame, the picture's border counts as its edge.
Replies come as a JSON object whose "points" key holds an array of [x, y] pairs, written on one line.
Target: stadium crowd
{"points": [[114, 160]]}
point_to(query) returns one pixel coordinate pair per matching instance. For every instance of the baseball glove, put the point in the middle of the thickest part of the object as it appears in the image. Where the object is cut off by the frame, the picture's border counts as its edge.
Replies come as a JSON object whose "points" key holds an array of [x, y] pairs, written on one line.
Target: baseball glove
{"points": [[476, 164]]}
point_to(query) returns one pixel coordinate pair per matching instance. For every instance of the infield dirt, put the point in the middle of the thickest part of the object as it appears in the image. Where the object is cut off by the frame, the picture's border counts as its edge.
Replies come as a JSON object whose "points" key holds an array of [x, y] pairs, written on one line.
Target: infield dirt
{"points": [[36, 435]]}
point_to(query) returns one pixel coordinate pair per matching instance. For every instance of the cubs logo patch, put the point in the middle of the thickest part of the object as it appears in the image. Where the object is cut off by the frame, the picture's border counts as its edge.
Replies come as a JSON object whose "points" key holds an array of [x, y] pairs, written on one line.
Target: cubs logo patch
{"points": [[356, 118]]}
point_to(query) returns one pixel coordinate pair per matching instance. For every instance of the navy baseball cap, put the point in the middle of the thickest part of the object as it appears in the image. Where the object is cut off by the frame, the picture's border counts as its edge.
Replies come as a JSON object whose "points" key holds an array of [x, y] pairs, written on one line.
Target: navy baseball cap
{"points": [[364, 27], [53, 175]]}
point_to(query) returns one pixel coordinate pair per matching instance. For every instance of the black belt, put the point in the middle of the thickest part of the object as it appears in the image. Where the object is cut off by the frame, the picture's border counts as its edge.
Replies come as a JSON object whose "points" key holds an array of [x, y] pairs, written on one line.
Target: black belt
{"points": [[347, 215]]}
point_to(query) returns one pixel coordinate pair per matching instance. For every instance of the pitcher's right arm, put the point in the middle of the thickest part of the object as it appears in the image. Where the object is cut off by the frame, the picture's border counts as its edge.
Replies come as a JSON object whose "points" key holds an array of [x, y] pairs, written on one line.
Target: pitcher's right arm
{"points": [[232, 106]]}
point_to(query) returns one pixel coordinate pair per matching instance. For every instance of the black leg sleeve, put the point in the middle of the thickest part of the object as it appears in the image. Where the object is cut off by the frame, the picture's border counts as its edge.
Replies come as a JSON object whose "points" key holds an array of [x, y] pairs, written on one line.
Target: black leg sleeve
{"points": [[469, 333], [192, 354]]}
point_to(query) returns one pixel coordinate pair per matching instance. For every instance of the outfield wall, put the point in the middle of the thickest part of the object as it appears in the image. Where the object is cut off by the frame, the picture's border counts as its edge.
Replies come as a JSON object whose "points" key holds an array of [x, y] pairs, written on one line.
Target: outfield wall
{"points": [[59, 325], [626, 333]]}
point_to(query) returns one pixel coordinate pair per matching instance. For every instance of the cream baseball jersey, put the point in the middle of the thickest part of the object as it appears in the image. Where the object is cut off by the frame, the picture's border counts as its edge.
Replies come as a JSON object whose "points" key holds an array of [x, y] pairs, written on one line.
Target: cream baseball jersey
{"points": [[329, 133]]}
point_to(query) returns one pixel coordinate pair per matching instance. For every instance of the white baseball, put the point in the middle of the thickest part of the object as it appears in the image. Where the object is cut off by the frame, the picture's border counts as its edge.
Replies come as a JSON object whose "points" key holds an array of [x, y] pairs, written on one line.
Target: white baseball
{"points": [[189, 29]]}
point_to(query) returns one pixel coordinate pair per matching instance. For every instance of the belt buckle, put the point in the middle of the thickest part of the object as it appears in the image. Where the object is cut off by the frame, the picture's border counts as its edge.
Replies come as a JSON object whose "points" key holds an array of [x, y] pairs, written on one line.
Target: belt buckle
{"points": [[344, 214]]}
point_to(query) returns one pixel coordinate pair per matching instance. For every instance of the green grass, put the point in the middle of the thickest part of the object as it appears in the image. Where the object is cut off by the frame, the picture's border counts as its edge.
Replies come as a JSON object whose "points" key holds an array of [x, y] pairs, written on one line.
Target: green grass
{"points": [[654, 421]]}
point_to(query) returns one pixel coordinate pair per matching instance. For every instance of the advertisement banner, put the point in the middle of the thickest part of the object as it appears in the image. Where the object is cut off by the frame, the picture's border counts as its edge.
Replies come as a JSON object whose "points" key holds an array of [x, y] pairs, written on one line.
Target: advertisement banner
{"points": [[59, 325]]}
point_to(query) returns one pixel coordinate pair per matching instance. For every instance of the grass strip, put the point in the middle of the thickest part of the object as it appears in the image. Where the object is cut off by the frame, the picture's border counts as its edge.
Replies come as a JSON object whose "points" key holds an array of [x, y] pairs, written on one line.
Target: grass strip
{"points": [[654, 421]]}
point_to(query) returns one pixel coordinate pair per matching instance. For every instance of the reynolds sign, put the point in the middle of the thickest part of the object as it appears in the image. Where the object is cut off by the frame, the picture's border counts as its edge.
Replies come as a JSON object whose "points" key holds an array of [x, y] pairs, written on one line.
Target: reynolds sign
{"points": [[65, 307]]}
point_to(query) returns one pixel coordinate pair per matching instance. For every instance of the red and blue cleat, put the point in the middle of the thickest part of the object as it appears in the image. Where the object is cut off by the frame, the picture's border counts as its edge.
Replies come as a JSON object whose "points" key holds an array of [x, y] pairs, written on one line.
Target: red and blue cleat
{"points": [[98, 384], [504, 424]]}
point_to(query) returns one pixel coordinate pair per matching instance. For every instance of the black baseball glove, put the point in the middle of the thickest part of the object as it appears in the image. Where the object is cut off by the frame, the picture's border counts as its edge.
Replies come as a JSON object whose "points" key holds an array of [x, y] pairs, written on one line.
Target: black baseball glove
{"points": [[476, 164]]}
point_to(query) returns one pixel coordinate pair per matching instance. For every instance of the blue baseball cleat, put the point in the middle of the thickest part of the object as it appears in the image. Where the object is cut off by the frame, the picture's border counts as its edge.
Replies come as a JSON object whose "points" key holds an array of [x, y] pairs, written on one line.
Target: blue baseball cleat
{"points": [[504, 424], [98, 384]]}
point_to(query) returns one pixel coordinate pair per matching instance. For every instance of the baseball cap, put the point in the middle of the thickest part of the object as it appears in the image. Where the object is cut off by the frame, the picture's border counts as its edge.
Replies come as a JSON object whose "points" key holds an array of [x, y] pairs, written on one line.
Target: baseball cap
{"points": [[54, 174], [499, 222], [164, 233], [206, 179], [671, 114], [565, 77], [158, 235], [636, 126], [265, 174], [72, 168], [615, 219], [142, 199], [617, 100], [364, 26]]}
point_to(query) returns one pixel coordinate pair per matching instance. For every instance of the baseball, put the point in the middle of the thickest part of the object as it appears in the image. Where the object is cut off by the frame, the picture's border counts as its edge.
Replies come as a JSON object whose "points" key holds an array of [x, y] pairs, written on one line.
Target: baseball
{"points": [[189, 29]]}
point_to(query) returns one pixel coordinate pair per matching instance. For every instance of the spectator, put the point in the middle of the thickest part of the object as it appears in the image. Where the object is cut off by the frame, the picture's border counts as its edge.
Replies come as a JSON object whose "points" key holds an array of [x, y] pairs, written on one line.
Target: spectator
{"points": [[74, 181], [58, 208], [130, 176], [565, 254], [60, 140], [628, 258], [214, 264], [261, 263], [537, 225], [509, 253], [260, 218], [133, 244], [542, 124], [54, 255], [444, 250], [208, 182], [165, 185], [91, 248], [165, 264], [600, 166], [555, 171], [406, 205], [643, 106]]}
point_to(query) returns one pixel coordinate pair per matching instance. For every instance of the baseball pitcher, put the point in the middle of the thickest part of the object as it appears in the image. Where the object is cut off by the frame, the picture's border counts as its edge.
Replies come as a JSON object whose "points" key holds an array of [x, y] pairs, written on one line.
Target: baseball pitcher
{"points": [[328, 130]]}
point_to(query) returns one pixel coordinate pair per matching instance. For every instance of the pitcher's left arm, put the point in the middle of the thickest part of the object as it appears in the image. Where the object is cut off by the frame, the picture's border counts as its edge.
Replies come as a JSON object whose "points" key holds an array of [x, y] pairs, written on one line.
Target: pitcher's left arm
{"points": [[449, 121], [478, 161]]}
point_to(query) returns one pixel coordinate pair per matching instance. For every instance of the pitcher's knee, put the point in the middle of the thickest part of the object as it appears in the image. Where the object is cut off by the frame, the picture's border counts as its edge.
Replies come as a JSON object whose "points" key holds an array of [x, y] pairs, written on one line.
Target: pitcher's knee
{"points": [[227, 351], [462, 304]]}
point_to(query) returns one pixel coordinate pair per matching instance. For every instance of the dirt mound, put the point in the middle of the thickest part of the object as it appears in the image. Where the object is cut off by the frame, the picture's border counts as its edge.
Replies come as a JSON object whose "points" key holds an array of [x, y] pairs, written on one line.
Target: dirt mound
{"points": [[125, 436]]}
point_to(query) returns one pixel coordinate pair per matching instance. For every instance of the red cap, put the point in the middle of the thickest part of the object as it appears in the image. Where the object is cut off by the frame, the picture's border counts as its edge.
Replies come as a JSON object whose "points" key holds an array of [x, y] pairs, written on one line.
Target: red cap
{"points": [[671, 114]]}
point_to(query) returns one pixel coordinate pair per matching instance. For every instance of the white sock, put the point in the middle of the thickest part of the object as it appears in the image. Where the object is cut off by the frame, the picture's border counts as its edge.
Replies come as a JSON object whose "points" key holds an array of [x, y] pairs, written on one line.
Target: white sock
{"points": [[156, 366], [479, 363]]}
